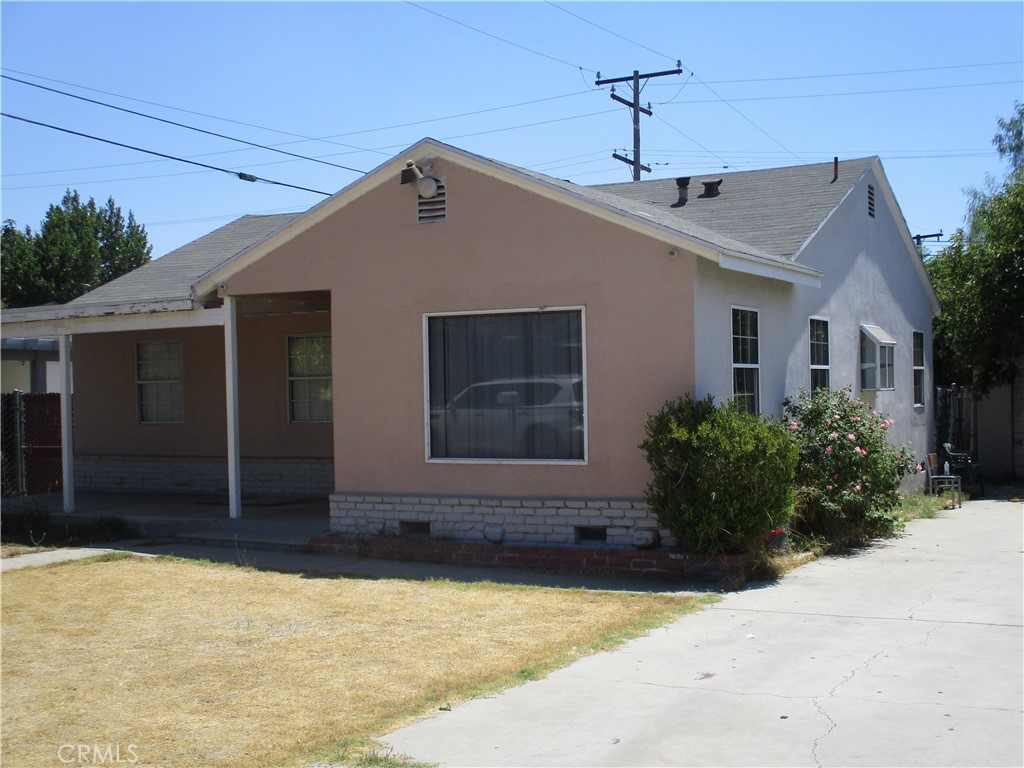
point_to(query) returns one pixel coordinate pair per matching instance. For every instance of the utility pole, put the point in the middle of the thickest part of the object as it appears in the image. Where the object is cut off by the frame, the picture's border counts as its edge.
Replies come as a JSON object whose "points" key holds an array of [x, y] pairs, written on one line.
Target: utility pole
{"points": [[637, 109], [918, 238]]}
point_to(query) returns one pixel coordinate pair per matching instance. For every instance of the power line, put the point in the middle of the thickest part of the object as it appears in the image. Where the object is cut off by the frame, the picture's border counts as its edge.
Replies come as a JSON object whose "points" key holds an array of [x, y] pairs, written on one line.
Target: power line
{"points": [[862, 74], [238, 174], [324, 139], [842, 93], [694, 75], [499, 39], [178, 125], [610, 32]]}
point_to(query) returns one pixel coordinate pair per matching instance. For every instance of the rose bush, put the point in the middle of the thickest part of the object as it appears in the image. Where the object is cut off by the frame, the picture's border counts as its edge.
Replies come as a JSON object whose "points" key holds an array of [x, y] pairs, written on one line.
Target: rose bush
{"points": [[848, 473]]}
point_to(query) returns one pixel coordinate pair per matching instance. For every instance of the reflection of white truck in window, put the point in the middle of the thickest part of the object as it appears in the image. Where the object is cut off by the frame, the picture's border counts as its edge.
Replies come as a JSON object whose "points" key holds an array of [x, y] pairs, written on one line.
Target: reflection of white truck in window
{"points": [[538, 418]]}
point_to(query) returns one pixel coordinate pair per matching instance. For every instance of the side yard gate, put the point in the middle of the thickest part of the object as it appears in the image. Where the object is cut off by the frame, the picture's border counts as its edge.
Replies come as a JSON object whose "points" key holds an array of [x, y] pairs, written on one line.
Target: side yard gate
{"points": [[31, 450]]}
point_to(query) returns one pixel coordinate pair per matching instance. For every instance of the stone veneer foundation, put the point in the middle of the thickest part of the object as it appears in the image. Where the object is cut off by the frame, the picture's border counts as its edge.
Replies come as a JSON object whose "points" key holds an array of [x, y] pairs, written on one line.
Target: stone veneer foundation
{"points": [[178, 474], [617, 524]]}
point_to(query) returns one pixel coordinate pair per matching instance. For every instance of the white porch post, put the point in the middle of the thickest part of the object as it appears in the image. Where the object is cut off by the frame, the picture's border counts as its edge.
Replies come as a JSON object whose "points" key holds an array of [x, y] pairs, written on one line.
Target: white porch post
{"points": [[66, 448], [231, 381]]}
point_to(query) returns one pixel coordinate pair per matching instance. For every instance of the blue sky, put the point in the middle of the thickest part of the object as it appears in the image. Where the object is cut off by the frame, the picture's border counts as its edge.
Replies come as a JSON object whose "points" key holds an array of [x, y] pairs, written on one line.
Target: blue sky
{"points": [[764, 84]]}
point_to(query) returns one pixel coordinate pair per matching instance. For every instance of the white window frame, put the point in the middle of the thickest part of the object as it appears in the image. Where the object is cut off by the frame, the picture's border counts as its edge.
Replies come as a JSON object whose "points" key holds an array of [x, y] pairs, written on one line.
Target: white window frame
{"points": [[755, 366], [177, 384], [827, 367], [522, 462], [919, 369], [289, 378], [874, 367]]}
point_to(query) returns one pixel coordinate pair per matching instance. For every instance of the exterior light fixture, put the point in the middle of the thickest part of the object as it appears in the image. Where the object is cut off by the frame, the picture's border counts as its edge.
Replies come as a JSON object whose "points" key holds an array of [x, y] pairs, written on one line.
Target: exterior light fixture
{"points": [[426, 186]]}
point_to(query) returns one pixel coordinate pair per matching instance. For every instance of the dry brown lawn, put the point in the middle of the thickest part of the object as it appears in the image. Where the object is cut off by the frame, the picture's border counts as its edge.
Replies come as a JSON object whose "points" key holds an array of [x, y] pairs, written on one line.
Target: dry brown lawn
{"points": [[192, 664]]}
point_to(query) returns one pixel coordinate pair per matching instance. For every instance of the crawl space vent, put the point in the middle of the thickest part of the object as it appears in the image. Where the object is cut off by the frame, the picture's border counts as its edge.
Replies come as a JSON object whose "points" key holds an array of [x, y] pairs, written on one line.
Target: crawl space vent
{"points": [[432, 208]]}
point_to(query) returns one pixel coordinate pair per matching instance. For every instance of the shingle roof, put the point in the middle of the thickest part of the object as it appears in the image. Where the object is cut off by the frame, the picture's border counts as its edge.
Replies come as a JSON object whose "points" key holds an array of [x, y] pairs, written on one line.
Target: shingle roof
{"points": [[771, 211], [171, 277]]}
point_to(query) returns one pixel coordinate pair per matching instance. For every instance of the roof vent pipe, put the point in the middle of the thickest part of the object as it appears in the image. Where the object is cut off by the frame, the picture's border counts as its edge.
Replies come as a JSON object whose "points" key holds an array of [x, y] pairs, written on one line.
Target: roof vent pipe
{"points": [[683, 187], [711, 188], [835, 169]]}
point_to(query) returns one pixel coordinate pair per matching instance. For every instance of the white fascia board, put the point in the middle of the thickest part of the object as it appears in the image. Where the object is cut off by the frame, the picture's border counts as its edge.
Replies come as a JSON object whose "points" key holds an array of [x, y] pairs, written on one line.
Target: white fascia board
{"points": [[430, 149], [111, 323], [790, 273], [636, 222]]}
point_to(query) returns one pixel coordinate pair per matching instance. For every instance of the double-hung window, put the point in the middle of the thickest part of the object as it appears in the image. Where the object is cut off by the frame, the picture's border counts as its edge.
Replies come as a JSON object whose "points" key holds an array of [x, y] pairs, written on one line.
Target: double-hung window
{"points": [[877, 353], [309, 378], [158, 382], [918, 368], [746, 372], [819, 353], [506, 386]]}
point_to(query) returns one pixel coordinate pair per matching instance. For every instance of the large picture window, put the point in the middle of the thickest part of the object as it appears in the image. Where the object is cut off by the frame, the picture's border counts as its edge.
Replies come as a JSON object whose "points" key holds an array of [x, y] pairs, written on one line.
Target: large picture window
{"points": [[819, 351], [158, 382], [506, 386], [309, 378], [746, 371]]}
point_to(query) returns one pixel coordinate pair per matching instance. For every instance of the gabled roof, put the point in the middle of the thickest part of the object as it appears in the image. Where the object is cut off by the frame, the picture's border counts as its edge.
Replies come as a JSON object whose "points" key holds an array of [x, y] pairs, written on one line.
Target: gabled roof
{"points": [[164, 284], [171, 277], [775, 211], [758, 223]]}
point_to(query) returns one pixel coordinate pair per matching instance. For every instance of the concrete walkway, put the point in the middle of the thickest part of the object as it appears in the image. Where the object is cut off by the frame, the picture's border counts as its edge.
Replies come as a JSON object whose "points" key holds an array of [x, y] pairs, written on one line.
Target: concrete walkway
{"points": [[905, 654]]}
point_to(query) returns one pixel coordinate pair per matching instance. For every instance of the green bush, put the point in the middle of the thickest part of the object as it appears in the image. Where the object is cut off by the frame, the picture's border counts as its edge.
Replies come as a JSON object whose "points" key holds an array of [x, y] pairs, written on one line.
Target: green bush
{"points": [[849, 473], [722, 478]]}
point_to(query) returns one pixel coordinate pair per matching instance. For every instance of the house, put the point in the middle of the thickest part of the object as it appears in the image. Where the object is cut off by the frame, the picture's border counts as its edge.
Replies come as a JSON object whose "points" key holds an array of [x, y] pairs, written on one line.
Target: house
{"points": [[456, 347]]}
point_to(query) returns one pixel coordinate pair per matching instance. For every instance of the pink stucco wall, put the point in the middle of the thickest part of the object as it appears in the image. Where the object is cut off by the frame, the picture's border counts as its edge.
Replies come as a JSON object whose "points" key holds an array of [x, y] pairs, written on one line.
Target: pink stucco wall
{"points": [[106, 415], [501, 247]]}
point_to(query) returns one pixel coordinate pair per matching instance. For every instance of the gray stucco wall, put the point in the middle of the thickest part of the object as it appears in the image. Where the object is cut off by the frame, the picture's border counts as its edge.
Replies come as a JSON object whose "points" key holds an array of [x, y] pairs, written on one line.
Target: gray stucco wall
{"points": [[870, 278]]}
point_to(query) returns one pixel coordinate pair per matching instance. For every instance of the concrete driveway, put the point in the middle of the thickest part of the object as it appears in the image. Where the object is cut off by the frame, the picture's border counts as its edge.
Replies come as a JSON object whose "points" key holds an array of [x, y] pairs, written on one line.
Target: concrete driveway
{"points": [[908, 653]]}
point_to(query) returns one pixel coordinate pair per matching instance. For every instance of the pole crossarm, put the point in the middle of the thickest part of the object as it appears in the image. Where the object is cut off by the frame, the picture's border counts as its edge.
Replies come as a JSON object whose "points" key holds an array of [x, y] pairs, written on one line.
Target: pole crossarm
{"points": [[634, 105], [630, 77]]}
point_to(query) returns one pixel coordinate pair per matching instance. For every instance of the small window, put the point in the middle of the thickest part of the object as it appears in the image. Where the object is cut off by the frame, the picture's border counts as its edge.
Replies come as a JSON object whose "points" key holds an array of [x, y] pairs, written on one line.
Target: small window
{"points": [[871, 201], [309, 378], [746, 372], [819, 351], [876, 358], [158, 382], [918, 368]]}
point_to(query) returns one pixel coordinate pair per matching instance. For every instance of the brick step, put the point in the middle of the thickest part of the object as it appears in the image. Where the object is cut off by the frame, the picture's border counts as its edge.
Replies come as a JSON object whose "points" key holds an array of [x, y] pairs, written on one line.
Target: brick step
{"points": [[273, 544]]}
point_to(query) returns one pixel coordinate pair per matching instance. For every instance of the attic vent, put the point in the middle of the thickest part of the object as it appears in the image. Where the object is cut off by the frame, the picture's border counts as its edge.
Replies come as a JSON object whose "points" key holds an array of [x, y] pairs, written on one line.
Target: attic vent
{"points": [[871, 201], [432, 208], [711, 188]]}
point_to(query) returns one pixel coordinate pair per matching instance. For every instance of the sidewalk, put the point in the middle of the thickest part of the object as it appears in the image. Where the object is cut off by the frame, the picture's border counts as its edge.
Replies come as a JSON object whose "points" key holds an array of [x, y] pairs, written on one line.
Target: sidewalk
{"points": [[908, 653]]}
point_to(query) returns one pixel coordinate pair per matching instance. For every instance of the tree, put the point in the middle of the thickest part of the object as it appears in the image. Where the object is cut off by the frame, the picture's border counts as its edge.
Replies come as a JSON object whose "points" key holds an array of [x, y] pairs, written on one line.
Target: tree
{"points": [[979, 338], [78, 247]]}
